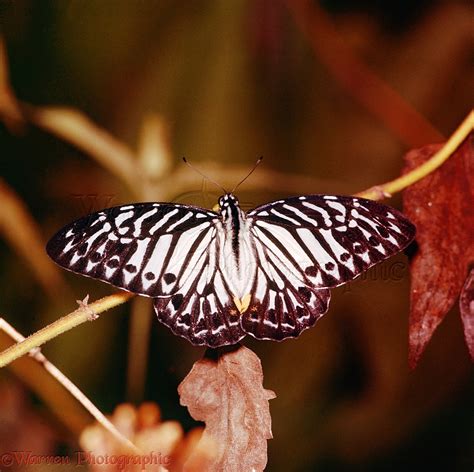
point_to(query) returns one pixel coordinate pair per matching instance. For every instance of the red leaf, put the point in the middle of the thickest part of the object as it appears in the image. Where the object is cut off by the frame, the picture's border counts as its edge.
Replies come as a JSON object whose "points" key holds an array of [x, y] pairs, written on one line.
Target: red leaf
{"points": [[227, 394], [441, 206], [466, 306]]}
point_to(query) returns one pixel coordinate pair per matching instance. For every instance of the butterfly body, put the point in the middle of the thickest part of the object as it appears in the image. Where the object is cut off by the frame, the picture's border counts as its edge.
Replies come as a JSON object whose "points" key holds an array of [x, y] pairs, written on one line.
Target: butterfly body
{"points": [[236, 255], [217, 276]]}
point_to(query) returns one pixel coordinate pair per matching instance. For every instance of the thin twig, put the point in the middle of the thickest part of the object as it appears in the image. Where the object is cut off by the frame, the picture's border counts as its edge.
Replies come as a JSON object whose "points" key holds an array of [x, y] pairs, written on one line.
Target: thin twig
{"points": [[138, 347], [70, 387], [10, 112], [77, 317], [77, 129], [394, 186], [22, 232]]}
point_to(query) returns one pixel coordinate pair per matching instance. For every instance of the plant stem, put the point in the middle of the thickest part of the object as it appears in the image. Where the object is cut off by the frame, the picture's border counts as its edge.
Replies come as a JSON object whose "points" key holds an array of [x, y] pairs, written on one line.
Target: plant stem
{"points": [[378, 192], [77, 317], [71, 388]]}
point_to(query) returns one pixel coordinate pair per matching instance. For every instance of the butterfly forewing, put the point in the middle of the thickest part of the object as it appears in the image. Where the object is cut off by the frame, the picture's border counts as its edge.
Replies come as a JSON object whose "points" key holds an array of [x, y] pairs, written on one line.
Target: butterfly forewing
{"points": [[146, 248], [329, 240]]}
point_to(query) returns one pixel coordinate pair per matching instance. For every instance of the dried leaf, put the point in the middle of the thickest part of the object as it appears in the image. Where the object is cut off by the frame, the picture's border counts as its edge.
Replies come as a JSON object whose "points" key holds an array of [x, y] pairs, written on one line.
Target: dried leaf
{"points": [[441, 206], [227, 394], [466, 306]]}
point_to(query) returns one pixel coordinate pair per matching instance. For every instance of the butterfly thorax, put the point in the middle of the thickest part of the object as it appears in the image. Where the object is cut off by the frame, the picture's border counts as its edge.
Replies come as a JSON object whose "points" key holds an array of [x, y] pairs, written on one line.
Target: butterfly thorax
{"points": [[236, 254]]}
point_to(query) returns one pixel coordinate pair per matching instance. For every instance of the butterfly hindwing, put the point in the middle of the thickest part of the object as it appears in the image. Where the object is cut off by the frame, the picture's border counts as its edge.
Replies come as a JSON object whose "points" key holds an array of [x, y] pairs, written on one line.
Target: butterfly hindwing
{"points": [[282, 304], [203, 310]]}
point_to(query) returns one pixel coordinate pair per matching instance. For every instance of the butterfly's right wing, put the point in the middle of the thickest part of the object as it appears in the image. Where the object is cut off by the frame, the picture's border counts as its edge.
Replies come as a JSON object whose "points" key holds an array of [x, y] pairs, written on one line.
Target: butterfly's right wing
{"points": [[309, 244]]}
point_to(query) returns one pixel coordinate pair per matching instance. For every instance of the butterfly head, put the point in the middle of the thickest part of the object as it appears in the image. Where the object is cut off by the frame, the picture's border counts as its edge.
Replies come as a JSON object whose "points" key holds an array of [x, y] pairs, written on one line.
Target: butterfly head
{"points": [[227, 202]]}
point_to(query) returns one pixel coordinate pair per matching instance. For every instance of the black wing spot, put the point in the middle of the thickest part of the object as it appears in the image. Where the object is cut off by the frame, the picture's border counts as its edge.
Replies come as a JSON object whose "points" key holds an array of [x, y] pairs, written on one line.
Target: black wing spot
{"points": [[131, 268], [345, 256], [208, 289], [177, 300], [185, 318], [312, 271], [383, 232], [272, 285], [329, 266], [352, 234], [113, 263], [169, 278], [305, 293], [373, 241], [149, 276], [215, 321], [96, 257], [271, 315], [82, 249]]}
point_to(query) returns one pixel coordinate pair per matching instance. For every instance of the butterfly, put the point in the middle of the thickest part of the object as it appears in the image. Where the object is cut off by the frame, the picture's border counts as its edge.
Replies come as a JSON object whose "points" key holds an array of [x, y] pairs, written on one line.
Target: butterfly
{"points": [[217, 276]]}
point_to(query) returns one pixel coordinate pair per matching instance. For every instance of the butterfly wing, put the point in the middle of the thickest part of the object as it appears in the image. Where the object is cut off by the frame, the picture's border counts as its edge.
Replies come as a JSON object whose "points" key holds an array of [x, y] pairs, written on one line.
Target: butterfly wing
{"points": [[203, 310], [158, 250], [330, 239], [283, 304], [146, 248], [306, 245]]}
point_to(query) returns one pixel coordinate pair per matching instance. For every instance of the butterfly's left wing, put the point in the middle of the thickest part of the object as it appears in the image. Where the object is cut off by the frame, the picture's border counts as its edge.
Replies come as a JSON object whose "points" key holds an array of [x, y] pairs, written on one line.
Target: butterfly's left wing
{"points": [[160, 250], [306, 245], [203, 310]]}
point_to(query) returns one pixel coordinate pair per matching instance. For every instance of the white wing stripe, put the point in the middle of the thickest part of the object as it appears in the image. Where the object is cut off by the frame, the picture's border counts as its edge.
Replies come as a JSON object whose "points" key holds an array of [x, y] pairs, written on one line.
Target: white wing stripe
{"points": [[281, 215], [324, 213], [138, 222], [163, 221], [310, 241], [123, 217], [184, 218], [301, 214]]}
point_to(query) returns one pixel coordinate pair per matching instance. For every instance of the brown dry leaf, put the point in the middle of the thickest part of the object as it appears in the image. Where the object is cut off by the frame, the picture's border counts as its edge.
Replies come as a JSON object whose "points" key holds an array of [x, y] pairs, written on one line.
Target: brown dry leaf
{"points": [[193, 452], [227, 394], [466, 306], [441, 206]]}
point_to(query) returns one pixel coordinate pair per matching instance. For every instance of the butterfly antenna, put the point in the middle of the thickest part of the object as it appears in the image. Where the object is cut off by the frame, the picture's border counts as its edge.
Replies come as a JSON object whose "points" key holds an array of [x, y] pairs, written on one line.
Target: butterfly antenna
{"points": [[248, 175], [204, 175]]}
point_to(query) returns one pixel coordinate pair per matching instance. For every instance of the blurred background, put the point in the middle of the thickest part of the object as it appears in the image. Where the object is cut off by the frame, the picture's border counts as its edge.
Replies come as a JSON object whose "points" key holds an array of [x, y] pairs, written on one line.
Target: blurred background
{"points": [[332, 94]]}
